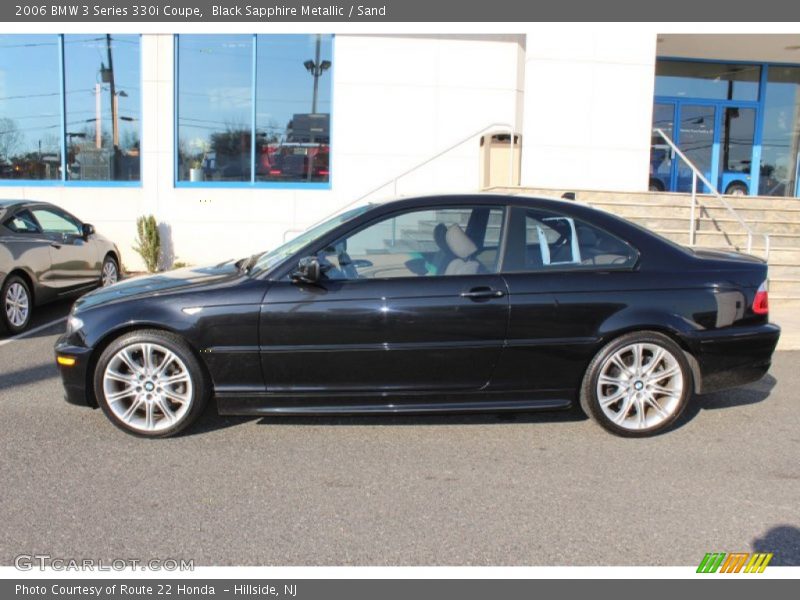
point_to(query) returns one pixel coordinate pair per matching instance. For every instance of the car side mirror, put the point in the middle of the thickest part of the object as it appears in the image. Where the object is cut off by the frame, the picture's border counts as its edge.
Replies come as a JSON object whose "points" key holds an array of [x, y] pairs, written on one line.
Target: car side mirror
{"points": [[308, 270], [87, 229]]}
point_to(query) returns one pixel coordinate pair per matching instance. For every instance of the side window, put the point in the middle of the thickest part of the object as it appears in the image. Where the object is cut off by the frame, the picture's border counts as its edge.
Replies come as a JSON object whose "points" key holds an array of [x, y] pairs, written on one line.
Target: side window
{"points": [[56, 222], [553, 241], [22, 222], [446, 241]]}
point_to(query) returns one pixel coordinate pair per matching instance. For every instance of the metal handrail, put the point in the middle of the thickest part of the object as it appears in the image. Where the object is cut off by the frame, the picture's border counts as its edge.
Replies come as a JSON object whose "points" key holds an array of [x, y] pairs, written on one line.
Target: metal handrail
{"points": [[393, 181], [697, 174]]}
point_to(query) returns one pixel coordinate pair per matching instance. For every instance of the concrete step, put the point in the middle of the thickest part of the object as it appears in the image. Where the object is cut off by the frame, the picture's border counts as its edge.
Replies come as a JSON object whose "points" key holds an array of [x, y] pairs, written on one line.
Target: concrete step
{"points": [[733, 240], [784, 287], [662, 222], [767, 219], [784, 271]]}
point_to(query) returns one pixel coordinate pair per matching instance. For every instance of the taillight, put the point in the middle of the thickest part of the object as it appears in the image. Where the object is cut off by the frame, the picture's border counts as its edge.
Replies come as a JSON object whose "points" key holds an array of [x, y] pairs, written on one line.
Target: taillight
{"points": [[274, 171], [761, 301]]}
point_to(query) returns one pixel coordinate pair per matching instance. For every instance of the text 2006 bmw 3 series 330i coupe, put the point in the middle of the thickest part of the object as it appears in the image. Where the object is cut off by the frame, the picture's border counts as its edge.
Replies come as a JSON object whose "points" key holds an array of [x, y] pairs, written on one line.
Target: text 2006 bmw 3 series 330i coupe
{"points": [[435, 304]]}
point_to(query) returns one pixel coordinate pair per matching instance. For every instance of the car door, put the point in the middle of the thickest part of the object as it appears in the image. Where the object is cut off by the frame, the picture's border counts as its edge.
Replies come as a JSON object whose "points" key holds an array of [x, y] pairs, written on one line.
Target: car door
{"points": [[564, 276], [26, 246], [398, 308], [74, 259]]}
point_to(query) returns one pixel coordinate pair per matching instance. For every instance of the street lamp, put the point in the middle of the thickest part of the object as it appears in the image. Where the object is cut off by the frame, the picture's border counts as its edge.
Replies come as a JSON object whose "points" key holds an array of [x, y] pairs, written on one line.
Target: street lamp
{"points": [[316, 68]]}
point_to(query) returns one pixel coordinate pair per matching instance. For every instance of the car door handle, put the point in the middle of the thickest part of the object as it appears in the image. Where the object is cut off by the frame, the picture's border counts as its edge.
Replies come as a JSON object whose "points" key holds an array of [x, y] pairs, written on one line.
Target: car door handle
{"points": [[480, 293], [55, 244]]}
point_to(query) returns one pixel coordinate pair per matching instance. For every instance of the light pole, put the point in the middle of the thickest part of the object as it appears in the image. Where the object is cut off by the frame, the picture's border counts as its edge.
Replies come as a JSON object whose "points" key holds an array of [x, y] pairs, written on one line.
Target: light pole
{"points": [[316, 68]]}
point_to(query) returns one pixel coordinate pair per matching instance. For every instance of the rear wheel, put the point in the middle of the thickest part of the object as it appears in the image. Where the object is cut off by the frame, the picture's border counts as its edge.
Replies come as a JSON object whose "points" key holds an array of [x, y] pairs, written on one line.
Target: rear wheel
{"points": [[737, 188], [150, 384], [637, 385], [17, 304]]}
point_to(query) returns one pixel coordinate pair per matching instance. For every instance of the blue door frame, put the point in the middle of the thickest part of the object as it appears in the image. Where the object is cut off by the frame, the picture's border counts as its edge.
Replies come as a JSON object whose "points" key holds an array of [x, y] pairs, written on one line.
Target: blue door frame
{"points": [[718, 106]]}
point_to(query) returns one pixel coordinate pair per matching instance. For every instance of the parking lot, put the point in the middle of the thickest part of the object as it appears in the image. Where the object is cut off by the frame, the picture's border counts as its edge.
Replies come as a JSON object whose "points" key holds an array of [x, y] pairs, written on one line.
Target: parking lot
{"points": [[526, 489]]}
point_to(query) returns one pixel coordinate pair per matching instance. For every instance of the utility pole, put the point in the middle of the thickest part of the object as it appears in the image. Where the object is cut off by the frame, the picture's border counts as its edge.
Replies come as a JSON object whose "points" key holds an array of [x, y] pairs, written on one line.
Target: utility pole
{"points": [[114, 112]]}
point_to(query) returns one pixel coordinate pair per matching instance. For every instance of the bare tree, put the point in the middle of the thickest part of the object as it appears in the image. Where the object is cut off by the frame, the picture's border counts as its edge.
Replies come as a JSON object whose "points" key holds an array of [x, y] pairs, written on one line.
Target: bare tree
{"points": [[10, 137]]}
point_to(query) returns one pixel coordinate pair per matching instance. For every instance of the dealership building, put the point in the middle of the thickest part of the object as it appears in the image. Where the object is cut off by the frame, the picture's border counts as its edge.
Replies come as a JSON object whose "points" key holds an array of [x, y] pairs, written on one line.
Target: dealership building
{"points": [[235, 142]]}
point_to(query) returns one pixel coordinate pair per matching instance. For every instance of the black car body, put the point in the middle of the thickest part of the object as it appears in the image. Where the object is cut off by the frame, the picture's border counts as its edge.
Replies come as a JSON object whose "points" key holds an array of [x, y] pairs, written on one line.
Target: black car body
{"points": [[515, 304], [49, 254]]}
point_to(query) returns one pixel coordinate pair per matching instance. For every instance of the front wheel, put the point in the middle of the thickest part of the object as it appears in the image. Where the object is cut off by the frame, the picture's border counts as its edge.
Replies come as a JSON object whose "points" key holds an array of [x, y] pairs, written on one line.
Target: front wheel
{"points": [[109, 274], [150, 384], [637, 385]]}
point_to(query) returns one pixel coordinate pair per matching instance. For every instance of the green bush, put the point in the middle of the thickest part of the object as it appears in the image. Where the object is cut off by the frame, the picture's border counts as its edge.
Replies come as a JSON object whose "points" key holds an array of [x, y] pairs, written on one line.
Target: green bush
{"points": [[148, 242]]}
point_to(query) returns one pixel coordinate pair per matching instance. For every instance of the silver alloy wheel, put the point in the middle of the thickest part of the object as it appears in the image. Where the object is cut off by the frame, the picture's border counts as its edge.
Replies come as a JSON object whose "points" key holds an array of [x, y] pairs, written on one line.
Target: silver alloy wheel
{"points": [[17, 304], [148, 387], [640, 386], [110, 274]]}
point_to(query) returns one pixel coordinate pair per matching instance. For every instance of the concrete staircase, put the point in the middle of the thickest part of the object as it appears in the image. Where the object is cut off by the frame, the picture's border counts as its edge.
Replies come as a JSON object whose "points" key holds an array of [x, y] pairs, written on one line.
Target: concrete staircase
{"points": [[669, 215]]}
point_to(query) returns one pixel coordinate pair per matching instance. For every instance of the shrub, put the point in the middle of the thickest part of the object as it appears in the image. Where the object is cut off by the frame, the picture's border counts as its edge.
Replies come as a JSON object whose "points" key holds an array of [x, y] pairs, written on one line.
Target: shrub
{"points": [[148, 242]]}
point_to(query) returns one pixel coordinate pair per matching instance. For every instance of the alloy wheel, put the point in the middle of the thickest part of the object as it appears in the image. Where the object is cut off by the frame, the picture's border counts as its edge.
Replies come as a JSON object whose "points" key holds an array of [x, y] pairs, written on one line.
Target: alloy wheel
{"points": [[148, 387], [110, 273], [17, 304], [640, 386]]}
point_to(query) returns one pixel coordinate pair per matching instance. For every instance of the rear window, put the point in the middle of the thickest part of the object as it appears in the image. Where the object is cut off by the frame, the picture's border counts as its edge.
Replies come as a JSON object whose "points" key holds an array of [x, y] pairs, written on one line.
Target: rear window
{"points": [[22, 222]]}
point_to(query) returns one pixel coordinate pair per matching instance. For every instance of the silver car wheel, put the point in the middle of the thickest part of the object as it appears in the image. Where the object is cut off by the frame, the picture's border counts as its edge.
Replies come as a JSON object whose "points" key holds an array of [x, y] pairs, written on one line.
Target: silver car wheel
{"points": [[640, 386], [148, 387], [17, 304], [110, 273]]}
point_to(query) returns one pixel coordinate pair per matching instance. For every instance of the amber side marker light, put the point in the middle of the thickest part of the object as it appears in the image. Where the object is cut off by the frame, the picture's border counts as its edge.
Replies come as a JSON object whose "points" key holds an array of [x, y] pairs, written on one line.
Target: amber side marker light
{"points": [[66, 361]]}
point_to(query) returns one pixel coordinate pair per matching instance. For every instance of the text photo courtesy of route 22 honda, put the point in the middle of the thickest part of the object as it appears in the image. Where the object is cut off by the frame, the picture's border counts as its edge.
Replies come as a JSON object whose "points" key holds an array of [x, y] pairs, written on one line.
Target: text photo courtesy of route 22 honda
{"points": [[47, 254], [435, 304]]}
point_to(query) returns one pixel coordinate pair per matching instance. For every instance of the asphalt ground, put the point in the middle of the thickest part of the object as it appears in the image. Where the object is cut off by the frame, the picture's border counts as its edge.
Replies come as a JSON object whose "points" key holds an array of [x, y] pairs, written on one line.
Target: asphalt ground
{"points": [[525, 489]]}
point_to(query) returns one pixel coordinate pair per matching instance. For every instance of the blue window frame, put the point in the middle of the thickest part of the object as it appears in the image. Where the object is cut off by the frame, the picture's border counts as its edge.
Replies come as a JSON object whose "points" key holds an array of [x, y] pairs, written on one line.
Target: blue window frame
{"points": [[752, 117], [70, 110], [253, 110]]}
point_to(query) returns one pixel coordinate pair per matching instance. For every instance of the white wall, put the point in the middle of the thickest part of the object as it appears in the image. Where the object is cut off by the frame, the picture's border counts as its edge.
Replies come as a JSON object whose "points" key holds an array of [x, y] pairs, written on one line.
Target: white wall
{"points": [[588, 108]]}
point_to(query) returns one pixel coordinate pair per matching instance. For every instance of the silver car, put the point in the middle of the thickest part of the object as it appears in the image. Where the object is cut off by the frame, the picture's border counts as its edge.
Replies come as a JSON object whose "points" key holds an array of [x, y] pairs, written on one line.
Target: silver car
{"points": [[47, 254]]}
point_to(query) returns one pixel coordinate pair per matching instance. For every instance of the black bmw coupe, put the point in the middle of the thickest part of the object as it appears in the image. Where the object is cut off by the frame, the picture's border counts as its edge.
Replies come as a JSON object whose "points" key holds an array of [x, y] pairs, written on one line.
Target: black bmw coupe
{"points": [[446, 303]]}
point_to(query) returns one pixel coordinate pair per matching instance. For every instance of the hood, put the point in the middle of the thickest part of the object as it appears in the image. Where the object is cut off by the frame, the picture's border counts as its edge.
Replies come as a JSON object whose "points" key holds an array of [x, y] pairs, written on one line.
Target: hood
{"points": [[161, 283]]}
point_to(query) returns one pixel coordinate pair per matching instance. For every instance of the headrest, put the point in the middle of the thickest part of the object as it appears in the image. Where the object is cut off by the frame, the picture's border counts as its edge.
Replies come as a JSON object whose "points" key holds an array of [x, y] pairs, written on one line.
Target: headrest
{"points": [[459, 243]]}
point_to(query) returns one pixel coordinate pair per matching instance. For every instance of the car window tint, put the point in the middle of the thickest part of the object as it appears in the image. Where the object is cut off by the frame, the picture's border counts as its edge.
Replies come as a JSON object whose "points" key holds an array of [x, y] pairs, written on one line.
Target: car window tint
{"points": [[446, 241], [22, 222], [56, 222], [553, 241]]}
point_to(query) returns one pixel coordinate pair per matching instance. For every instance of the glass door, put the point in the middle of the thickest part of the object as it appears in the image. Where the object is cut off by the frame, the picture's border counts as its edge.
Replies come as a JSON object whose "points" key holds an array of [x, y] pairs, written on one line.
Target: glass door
{"points": [[696, 139], [661, 157], [737, 132]]}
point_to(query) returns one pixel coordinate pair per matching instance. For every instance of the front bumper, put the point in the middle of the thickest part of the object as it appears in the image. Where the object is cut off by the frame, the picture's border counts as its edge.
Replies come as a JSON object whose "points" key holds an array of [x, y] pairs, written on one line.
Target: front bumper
{"points": [[77, 387], [729, 357]]}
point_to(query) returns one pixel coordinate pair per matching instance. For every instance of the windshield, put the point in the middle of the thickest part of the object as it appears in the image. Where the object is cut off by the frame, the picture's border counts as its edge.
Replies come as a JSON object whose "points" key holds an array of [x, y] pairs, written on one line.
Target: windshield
{"points": [[269, 259]]}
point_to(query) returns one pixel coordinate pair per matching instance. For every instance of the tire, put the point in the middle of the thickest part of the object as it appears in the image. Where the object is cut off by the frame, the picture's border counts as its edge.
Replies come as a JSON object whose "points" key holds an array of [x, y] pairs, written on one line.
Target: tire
{"points": [[109, 274], [655, 186], [17, 304], [146, 404], [632, 402], [737, 188]]}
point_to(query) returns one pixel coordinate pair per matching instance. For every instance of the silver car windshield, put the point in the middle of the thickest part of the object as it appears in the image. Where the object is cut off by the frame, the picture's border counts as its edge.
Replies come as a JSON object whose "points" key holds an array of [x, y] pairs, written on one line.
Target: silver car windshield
{"points": [[272, 258]]}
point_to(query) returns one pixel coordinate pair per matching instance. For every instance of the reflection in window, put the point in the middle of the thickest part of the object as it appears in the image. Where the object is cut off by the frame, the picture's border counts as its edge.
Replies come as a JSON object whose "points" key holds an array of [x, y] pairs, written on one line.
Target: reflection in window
{"points": [[716, 81], [102, 97], [215, 75], [291, 117], [30, 107], [293, 105], [780, 160]]}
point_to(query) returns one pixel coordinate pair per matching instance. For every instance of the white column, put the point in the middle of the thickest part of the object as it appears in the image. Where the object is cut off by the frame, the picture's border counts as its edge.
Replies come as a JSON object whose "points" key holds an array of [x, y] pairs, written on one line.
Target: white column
{"points": [[588, 107]]}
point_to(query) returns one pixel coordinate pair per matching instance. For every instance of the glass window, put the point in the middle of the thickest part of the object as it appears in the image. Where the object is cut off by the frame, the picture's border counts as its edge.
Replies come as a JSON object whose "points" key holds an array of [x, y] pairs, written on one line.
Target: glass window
{"points": [[102, 98], [290, 122], [554, 241], [22, 222], [450, 241], [715, 81], [30, 107], [53, 221], [780, 160], [293, 106], [215, 74]]}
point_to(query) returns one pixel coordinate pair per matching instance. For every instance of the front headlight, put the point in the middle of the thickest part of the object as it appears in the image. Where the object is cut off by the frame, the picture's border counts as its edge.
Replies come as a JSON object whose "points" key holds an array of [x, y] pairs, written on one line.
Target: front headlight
{"points": [[73, 324]]}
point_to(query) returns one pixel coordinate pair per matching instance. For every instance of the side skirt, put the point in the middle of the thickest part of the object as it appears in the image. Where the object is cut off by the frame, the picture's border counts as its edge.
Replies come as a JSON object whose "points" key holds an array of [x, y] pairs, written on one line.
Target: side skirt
{"points": [[229, 403]]}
